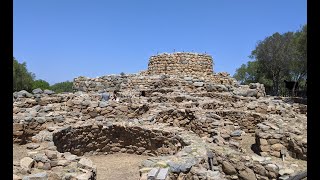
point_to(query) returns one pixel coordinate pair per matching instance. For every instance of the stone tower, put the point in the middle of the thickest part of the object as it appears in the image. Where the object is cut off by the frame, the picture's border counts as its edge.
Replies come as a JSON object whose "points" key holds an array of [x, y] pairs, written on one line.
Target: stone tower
{"points": [[181, 64]]}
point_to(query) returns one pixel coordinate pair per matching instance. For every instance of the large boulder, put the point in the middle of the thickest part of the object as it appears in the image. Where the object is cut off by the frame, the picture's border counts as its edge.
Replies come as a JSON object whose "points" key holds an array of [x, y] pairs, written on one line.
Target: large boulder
{"points": [[26, 162], [86, 163], [23, 93], [228, 168], [49, 92], [251, 93], [247, 174], [37, 91]]}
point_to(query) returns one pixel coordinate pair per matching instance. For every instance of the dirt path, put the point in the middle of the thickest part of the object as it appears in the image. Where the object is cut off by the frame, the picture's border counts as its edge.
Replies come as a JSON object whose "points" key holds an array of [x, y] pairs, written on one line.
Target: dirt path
{"points": [[247, 141], [19, 152], [118, 166]]}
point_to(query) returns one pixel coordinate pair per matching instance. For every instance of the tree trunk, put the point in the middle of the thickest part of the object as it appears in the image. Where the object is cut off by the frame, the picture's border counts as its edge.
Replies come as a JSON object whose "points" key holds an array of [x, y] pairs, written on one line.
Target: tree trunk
{"points": [[293, 89], [275, 81], [276, 88], [273, 88], [294, 86]]}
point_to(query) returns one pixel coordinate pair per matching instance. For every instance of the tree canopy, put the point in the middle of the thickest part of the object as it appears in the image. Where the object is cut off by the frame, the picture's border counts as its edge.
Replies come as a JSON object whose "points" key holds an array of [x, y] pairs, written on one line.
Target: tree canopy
{"points": [[25, 80], [62, 87], [22, 78], [42, 84], [277, 58]]}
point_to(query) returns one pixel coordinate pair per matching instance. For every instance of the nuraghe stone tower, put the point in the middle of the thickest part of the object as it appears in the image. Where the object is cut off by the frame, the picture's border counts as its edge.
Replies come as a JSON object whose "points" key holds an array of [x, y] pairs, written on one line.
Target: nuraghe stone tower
{"points": [[181, 64], [191, 122]]}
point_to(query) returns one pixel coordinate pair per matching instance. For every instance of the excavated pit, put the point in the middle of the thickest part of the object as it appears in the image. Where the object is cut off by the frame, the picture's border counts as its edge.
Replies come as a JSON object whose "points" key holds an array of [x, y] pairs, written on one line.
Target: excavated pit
{"points": [[117, 139]]}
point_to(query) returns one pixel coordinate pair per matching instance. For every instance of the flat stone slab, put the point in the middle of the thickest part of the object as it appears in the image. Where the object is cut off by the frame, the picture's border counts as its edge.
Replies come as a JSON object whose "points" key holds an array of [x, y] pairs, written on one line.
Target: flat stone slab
{"points": [[38, 176], [153, 173], [163, 172]]}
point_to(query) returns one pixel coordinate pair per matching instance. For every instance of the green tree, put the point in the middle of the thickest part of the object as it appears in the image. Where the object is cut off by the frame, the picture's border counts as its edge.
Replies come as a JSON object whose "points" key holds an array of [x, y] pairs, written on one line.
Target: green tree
{"points": [[278, 57], [301, 41], [274, 54], [298, 65], [62, 87], [42, 84], [241, 74], [250, 73], [247, 73], [22, 78]]}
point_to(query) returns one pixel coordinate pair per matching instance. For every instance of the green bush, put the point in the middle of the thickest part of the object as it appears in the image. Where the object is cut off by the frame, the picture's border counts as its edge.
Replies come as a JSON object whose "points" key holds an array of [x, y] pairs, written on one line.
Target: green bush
{"points": [[22, 78], [62, 87], [42, 84]]}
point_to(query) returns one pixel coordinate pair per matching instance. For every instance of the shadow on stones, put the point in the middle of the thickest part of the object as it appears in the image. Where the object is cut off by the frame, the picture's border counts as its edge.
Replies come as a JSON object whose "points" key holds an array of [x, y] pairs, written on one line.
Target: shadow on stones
{"points": [[255, 149]]}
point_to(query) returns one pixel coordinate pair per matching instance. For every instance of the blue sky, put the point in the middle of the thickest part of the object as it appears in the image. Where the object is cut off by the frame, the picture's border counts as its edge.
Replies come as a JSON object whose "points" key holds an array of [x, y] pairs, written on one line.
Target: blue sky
{"points": [[63, 39]]}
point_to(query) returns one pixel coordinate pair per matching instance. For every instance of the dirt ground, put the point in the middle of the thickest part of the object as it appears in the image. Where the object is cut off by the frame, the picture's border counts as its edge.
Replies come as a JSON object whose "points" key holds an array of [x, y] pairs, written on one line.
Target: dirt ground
{"points": [[247, 141], [118, 166], [109, 167], [19, 152]]}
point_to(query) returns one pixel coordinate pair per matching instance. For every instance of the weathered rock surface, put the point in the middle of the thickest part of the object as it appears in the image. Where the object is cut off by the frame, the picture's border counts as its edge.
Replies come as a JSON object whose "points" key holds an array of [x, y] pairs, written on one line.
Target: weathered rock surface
{"points": [[26, 162], [175, 115]]}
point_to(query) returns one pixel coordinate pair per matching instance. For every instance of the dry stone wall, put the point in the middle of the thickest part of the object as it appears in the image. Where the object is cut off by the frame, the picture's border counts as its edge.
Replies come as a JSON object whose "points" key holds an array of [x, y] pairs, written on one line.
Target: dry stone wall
{"points": [[130, 85], [277, 141], [115, 138], [127, 82], [217, 117], [181, 116], [247, 121], [181, 63]]}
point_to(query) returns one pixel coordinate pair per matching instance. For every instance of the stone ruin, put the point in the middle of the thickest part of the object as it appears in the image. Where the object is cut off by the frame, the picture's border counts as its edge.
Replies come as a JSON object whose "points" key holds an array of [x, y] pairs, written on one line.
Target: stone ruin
{"points": [[190, 121], [181, 63]]}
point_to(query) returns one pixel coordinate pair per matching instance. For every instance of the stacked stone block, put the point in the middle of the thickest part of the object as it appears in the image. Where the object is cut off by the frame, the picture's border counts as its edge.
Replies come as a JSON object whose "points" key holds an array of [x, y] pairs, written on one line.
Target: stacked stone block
{"points": [[115, 138], [181, 63]]}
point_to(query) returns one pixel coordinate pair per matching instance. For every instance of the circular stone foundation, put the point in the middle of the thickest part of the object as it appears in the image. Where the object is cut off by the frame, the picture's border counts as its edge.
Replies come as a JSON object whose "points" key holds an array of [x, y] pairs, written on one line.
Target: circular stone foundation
{"points": [[116, 138]]}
